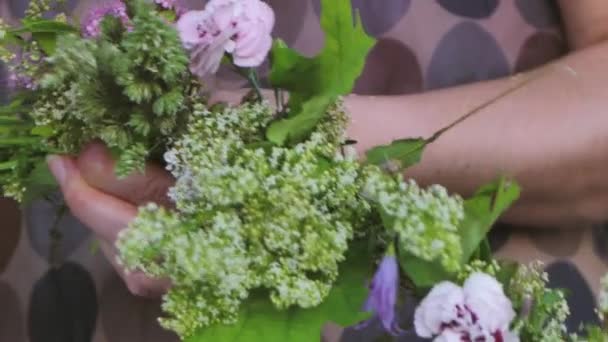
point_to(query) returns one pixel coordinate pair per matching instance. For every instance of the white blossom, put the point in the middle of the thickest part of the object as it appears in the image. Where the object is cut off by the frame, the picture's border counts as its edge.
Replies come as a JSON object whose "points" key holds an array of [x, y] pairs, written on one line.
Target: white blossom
{"points": [[478, 311]]}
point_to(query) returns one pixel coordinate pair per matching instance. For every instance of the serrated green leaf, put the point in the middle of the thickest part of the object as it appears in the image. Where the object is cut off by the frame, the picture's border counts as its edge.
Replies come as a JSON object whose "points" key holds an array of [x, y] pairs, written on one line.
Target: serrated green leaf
{"points": [[406, 152], [482, 211], [297, 127], [261, 321], [39, 183], [338, 65], [320, 79]]}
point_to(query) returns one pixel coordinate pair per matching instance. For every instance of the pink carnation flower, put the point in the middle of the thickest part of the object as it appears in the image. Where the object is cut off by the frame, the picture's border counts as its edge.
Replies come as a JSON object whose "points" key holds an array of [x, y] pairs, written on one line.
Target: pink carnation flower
{"points": [[479, 311], [240, 27], [91, 26]]}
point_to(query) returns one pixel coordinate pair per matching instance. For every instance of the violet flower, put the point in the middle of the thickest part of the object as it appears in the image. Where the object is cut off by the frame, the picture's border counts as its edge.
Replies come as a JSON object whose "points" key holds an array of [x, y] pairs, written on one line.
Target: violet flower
{"points": [[166, 4], [21, 81], [383, 293], [91, 26]]}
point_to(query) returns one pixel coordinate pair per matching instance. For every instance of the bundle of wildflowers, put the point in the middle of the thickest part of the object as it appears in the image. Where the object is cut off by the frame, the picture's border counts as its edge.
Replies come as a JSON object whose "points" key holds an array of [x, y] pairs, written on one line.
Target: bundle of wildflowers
{"points": [[122, 78], [276, 225]]}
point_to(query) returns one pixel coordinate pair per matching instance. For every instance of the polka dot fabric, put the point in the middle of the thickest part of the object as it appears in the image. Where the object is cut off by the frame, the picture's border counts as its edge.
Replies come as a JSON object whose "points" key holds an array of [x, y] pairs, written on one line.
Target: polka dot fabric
{"points": [[422, 45]]}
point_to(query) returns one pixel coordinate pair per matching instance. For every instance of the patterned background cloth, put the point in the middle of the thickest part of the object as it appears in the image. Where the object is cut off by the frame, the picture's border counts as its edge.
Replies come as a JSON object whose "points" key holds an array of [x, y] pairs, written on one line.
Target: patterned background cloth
{"points": [[422, 45]]}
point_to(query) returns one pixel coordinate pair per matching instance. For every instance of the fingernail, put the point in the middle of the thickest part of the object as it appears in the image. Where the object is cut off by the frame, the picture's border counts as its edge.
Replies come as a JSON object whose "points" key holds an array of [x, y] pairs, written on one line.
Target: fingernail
{"points": [[57, 167]]}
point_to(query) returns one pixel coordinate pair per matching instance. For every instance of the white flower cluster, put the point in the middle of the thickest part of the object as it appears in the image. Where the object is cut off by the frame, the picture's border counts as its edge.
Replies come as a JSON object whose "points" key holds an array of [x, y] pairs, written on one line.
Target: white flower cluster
{"points": [[544, 311], [249, 216], [425, 221]]}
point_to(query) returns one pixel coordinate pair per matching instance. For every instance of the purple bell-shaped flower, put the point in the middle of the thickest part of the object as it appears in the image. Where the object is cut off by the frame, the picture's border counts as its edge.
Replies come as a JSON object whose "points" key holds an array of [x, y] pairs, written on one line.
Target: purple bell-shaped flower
{"points": [[383, 292]]}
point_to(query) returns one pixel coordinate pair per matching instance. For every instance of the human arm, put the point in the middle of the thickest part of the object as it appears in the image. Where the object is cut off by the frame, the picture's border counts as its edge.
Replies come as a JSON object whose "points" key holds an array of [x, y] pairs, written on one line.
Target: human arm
{"points": [[537, 135], [551, 135]]}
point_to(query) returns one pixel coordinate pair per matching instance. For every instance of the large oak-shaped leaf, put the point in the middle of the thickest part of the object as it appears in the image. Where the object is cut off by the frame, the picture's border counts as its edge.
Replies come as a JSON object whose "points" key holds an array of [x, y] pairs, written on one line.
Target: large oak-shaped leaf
{"points": [[320, 79], [259, 320]]}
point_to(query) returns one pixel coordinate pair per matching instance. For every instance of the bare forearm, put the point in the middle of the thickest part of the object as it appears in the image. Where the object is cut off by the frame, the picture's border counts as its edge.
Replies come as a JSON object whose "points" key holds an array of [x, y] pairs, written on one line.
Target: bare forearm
{"points": [[551, 135]]}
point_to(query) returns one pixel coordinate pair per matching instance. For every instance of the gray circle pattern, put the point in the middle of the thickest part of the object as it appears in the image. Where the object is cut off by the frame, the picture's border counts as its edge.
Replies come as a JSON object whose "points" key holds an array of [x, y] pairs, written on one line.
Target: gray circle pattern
{"points": [[40, 217], [467, 53], [475, 9], [539, 13], [377, 17]]}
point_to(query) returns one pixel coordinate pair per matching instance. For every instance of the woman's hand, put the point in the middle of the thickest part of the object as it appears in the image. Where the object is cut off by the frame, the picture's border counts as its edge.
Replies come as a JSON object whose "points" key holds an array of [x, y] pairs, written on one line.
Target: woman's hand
{"points": [[106, 204]]}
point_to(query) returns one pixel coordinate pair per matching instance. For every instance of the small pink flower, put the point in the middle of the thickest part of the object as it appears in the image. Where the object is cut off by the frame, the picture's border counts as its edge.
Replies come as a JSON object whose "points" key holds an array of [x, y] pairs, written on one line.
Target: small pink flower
{"points": [[479, 311], [91, 26], [240, 27], [166, 4]]}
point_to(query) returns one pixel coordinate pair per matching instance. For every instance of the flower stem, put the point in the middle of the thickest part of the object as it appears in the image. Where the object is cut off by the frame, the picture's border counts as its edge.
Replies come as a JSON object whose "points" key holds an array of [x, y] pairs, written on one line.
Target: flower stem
{"points": [[252, 76], [518, 85], [56, 237], [277, 99]]}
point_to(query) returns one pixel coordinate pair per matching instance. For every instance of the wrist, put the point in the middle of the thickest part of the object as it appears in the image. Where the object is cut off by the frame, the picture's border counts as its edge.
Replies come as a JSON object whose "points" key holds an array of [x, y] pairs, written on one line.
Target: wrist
{"points": [[379, 120]]}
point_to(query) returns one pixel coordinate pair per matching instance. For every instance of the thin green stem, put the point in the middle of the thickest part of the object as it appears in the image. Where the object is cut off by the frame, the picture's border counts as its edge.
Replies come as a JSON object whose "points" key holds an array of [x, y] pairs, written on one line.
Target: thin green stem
{"points": [[252, 76], [277, 100], [485, 105], [55, 237]]}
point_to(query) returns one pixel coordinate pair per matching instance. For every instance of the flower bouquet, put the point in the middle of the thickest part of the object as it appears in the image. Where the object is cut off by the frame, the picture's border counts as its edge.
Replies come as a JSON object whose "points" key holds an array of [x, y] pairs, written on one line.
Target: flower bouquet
{"points": [[276, 226]]}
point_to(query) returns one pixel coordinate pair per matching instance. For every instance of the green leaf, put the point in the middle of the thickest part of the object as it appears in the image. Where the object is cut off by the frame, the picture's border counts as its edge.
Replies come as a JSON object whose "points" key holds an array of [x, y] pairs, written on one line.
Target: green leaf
{"points": [[596, 334], [43, 131], [11, 39], [8, 165], [297, 127], [12, 128], [339, 64], [484, 251], [508, 269], [320, 79], [7, 120], [265, 145], [39, 183], [44, 25], [406, 152], [9, 111], [47, 41], [482, 211], [18, 141], [424, 274], [261, 321]]}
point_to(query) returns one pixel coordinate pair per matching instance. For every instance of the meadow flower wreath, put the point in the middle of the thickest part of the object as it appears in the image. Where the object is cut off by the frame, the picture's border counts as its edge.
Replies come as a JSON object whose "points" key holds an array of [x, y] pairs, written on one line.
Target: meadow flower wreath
{"points": [[277, 227]]}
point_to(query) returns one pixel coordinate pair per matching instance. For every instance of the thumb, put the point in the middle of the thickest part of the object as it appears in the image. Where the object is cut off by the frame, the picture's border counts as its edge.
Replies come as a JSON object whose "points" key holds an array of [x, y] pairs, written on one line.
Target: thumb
{"points": [[97, 168], [104, 214]]}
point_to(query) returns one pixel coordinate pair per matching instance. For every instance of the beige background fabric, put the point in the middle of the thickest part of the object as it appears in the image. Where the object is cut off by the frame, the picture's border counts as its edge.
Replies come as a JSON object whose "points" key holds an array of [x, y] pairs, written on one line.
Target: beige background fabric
{"points": [[422, 45]]}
